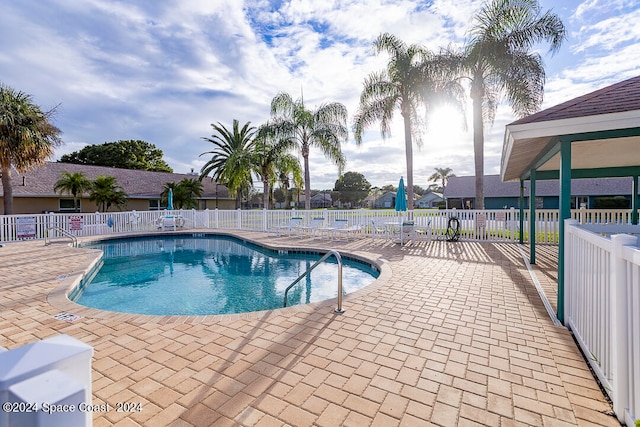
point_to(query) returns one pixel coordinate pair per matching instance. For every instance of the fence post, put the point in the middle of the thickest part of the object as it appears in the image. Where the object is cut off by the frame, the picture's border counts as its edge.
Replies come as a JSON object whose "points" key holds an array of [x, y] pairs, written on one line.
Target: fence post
{"points": [[619, 325], [264, 220], [217, 224], [512, 224], [239, 219]]}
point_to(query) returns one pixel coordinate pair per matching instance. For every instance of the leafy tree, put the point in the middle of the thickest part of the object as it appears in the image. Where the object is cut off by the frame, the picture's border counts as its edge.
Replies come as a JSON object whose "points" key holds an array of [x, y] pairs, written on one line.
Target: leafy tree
{"points": [[124, 154], [106, 192], [323, 128], [75, 184], [185, 193], [353, 188], [499, 58], [413, 78], [231, 158], [442, 175], [27, 137], [419, 191]]}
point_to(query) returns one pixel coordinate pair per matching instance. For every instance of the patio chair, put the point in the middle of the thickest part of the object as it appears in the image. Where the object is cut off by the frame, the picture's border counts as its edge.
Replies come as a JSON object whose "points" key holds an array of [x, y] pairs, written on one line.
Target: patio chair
{"points": [[313, 226], [293, 224], [378, 229], [405, 233], [424, 232]]}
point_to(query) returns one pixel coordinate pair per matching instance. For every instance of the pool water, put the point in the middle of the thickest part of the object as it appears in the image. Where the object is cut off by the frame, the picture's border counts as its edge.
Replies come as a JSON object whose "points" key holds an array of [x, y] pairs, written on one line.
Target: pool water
{"points": [[201, 275]]}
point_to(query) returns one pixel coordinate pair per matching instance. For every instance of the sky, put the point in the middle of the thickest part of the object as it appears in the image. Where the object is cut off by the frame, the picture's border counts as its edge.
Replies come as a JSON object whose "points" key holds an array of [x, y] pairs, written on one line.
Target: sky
{"points": [[163, 72]]}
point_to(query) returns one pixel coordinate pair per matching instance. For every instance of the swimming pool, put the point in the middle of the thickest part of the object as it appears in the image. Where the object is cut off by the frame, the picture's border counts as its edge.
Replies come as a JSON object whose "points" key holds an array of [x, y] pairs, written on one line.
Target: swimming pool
{"points": [[203, 274]]}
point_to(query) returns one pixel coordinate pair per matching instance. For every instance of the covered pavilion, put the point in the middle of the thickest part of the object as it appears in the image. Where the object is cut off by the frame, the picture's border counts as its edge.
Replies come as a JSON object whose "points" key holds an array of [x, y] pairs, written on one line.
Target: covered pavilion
{"points": [[592, 136]]}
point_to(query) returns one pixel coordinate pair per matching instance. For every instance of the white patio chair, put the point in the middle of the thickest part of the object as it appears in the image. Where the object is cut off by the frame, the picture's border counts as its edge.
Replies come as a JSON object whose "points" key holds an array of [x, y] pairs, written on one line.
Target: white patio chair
{"points": [[335, 225], [347, 232], [378, 229], [405, 233], [313, 226], [424, 232]]}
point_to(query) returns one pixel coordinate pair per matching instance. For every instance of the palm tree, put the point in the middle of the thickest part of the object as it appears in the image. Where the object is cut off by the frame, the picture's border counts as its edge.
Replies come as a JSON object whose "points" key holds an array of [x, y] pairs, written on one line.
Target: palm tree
{"points": [[288, 169], [230, 162], [498, 59], [323, 128], [413, 79], [442, 175], [73, 183], [268, 155], [107, 192], [27, 137]]}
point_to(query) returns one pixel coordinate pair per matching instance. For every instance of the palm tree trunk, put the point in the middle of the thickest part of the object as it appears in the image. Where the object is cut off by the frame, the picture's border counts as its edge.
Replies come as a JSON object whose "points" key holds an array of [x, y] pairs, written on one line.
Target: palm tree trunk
{"points": [[408, 142], [478, 150], [8, 189], [307, 181], [265, 196]]}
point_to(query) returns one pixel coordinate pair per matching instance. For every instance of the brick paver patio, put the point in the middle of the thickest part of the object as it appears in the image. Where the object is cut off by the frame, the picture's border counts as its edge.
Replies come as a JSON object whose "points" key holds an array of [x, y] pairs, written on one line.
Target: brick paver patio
{"points": [[451, 334]]}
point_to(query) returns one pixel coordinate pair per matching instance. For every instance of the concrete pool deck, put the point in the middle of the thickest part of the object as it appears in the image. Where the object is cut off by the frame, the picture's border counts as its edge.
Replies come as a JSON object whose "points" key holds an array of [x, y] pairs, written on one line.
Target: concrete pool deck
{"points": [[453, 334]]}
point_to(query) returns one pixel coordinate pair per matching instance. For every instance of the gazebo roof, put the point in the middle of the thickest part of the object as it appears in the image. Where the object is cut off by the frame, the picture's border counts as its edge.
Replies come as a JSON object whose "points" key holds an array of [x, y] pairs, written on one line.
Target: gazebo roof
{"points": [[604, 125]]}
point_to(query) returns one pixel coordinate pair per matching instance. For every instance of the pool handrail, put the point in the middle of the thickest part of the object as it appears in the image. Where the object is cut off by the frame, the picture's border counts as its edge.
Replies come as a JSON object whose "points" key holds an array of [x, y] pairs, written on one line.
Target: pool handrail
{"points": [[330, 252]]}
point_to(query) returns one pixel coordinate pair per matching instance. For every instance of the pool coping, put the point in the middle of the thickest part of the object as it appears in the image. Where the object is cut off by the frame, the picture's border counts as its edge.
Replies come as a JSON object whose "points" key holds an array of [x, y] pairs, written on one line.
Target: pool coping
{"points": [[58, 297]]}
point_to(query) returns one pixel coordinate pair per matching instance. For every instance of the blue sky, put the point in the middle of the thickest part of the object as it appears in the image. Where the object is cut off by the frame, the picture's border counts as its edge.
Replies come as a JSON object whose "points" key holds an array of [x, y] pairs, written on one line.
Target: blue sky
{"points": [[164, 71]]}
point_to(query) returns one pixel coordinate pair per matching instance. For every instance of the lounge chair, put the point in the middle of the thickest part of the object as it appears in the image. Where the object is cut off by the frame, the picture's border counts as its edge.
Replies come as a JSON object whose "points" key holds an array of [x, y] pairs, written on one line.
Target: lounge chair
{"points": [[314, 225], [289, 227], [335, 225], [351, 230], [424, 232]]}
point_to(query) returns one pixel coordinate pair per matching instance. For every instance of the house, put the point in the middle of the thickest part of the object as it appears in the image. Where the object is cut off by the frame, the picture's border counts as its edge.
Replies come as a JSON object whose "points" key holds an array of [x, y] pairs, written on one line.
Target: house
{"points": [[387, 200], [33, 190], [321, 200], [591, 193], [429, 200]]}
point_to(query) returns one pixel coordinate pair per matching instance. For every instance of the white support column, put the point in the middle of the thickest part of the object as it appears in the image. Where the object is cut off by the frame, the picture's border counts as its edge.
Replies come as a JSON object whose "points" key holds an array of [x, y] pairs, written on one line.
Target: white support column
{"points": [[619, 324]]}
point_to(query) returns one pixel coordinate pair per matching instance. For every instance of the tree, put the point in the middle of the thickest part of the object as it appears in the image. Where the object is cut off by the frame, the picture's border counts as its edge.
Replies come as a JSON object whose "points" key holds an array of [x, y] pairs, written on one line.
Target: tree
{"points": [[442, 175], [124, 154], [498, 59], [75, 183], [413, 79], [107, 192], [27, 137], [323, 128], [185, 193], [353, 188], [231, 157], [268, 154]]}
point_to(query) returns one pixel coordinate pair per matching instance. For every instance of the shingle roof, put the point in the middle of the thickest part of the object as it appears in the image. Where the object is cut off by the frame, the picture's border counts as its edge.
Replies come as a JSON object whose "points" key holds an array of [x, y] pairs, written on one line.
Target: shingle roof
{"points": [[619, 97], [464, 187], [137, 184]]}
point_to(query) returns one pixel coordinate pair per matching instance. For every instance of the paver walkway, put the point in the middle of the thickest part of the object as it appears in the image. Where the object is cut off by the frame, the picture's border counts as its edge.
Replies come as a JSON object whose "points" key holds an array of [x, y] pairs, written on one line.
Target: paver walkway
{"points": [[452, 334]]}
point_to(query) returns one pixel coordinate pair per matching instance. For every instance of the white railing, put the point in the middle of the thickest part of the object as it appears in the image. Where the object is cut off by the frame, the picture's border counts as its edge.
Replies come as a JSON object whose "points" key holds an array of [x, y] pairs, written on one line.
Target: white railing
{"points": [[602, 307], [501, 225]]}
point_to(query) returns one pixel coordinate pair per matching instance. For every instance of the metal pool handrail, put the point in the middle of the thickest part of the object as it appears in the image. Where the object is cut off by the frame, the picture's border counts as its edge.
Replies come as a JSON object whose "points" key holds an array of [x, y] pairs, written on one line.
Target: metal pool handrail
{"points": [[74, 239], [327, 255]]}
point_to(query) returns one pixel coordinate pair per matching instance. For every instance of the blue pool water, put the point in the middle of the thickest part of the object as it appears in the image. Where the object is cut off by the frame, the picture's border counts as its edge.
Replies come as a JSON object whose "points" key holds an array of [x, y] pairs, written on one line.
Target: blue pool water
{"points": [[200, 275]]}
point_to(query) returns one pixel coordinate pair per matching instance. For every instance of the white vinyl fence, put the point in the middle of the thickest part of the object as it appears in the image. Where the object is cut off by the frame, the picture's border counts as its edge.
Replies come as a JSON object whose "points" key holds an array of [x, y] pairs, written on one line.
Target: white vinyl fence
{"points": [[602, 307], [487, 225]]}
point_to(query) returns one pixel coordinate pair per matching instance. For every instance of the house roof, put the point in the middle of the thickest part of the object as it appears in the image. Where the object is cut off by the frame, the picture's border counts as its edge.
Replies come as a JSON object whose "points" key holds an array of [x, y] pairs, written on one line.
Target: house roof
{"points": [[464, 187], [39, 181], [430, 195], [604, 127]]}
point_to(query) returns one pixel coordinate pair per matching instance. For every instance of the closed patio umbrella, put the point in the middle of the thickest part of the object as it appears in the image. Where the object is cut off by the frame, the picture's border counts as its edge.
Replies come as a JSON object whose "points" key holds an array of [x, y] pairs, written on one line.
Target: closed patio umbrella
{"points": [[170, 200], [401, 197]]}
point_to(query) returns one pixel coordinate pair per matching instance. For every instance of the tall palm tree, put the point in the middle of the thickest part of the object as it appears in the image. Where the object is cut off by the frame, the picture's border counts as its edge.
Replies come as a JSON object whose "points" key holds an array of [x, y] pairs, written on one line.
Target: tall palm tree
{"points": [[268, 154], [107, 192], [324, 128], [499, 59], [442, 175], [27, 137], [230, 162], [412, 80], [75, 184]]}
